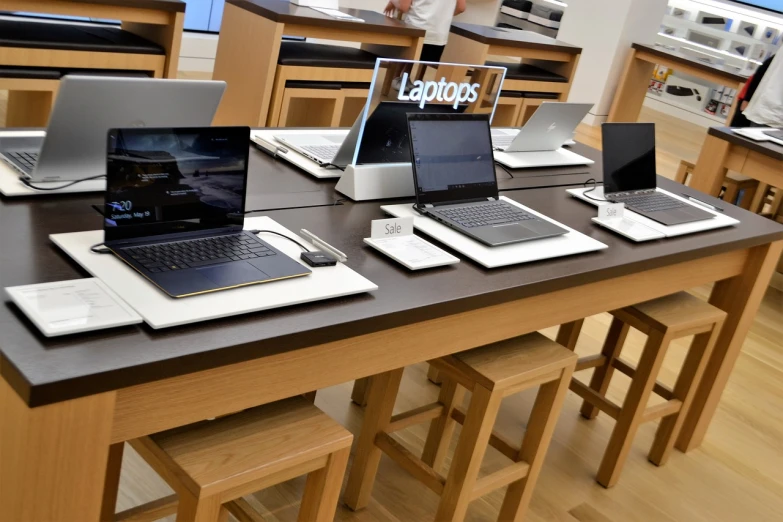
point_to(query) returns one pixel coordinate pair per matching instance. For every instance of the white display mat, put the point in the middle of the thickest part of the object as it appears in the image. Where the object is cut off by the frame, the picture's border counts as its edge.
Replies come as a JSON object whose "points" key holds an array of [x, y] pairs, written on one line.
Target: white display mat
{"points": [[537, 159], [757, 134], [11, 186], [492, 257], [266, 139], [513, 131], [162, 311], [720, 220]]}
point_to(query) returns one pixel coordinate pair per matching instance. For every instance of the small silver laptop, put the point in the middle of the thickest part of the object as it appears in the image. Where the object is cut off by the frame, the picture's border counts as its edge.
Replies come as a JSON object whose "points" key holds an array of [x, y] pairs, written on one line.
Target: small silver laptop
{"points": [[549, 128], [336, 148], [74, 147]]}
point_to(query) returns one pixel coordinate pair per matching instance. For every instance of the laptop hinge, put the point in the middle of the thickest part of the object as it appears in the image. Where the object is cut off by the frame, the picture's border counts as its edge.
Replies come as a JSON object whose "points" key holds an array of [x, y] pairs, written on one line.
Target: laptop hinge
{"points": [[460, 201]]}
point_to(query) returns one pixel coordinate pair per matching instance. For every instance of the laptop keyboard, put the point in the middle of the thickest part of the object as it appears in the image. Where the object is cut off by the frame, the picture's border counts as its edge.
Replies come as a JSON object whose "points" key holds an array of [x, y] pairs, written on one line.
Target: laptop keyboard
{"points": [[28, 159], [501, 142], [484, 214], [325, 152], [653, 202], [196, 253]]}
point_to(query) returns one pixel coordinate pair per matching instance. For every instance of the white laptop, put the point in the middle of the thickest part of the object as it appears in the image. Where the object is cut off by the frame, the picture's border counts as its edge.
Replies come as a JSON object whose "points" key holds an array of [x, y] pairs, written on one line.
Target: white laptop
{"points": [[539, 142]]}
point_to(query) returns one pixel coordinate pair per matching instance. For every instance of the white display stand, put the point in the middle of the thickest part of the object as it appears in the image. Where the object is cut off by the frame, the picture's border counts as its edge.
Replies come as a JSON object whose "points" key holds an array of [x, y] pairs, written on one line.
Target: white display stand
{"points": [[540, 159], [719, 221], [161, 311], [11, 186], [377, 181], [266, 140], [492, 257]]}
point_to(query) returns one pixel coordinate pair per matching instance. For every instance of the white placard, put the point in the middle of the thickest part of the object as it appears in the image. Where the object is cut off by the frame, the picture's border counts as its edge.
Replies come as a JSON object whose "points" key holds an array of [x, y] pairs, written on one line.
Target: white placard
{"points": [[67, 307], [411, 251], [392, 227], [611, 211]]}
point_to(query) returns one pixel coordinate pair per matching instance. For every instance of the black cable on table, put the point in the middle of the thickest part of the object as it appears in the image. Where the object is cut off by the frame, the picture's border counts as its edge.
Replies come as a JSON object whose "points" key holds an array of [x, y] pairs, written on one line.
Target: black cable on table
{"points": [[70, 184], [281, 235]]}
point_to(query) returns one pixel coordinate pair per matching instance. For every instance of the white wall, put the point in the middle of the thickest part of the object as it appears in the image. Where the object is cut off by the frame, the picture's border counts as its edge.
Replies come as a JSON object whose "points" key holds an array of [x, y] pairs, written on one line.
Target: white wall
{"points": [[605, 29]]}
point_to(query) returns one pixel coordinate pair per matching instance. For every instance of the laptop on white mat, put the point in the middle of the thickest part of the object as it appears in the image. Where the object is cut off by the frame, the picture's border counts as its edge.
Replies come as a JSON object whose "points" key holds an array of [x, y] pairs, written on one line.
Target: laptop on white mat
{"points": [[539, 142], [86, 107]]}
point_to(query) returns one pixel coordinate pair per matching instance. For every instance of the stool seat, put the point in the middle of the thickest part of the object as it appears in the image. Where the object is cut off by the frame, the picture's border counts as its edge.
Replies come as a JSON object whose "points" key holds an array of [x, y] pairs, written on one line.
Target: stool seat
{"points": [[506, 363], [30, 73], [679, 311], [217, 455], [525, 71], [72, 37], [305, 84], [306, 54]]}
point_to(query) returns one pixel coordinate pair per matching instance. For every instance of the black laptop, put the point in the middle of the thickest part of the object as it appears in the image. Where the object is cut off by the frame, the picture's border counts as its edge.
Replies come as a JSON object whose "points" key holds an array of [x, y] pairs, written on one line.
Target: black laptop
{"points": [[174, 210], [630, 175], [454, 175]]}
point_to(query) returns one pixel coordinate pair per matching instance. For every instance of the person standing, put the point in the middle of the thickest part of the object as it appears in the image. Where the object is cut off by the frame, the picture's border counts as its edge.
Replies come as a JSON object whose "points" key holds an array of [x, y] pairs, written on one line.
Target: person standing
{"points": [[434, 16]]}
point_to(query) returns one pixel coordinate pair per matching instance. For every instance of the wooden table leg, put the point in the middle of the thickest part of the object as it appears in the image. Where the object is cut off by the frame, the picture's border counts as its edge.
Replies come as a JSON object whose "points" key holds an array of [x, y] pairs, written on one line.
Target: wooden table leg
{"points": [[246, 60], [709, 172], [461, 50], [168, 36], [53, 457], [630, 92], [740, 297]]}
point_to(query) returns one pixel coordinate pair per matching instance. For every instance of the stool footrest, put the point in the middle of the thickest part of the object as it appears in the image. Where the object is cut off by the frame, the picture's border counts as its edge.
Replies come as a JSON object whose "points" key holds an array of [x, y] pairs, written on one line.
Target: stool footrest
{"points": [[595, 398], [155, 510], [500, 478], [413, 417], [662, 410], [495, 440], [660, 389], [243, 511], [402, 456], [590, 361]]}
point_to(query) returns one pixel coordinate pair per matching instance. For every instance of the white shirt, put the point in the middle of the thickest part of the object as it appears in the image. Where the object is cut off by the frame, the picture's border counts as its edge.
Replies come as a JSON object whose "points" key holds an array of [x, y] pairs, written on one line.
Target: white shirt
{"points": [[434, 16], [766, 105]]}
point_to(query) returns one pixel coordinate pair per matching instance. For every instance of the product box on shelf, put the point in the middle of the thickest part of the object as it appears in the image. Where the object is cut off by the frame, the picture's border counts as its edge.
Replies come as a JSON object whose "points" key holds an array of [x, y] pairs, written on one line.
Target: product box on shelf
{"points": [[747, 28]]}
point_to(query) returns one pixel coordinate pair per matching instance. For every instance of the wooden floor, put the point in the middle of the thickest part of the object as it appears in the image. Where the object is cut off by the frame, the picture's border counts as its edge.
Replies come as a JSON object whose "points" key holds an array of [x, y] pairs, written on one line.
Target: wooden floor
{"points": [[737, 475]]}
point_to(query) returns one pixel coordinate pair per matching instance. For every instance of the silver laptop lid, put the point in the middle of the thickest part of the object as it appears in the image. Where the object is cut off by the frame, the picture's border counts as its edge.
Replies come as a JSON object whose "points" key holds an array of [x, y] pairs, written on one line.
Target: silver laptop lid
{"points": [[550, 127], [88, 106]]}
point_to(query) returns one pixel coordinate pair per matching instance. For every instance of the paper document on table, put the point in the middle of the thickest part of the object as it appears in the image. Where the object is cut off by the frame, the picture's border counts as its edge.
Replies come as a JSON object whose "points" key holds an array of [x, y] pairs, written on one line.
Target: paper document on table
{"points": [[334, 13], [72, 306], [412, 251]]}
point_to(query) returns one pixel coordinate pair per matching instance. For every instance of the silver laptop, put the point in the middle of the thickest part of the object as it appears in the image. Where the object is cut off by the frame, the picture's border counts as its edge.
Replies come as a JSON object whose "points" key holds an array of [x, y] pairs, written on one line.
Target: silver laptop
{"points": [[549, 128], [74, 147], [325, 149]]}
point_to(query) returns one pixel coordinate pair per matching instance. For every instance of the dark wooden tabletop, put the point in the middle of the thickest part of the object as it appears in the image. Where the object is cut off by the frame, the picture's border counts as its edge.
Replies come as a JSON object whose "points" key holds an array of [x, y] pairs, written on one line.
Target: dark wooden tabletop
{"points": [[728, 72], [46, 370], [162, 5], [768, 148], [512, 38], [283, 11]]}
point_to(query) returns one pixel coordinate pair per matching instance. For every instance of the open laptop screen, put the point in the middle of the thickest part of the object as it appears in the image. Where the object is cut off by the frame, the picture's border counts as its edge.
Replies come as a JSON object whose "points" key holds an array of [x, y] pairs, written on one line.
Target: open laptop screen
{"points": [[163, 181], [629, 156], [452, 157]]}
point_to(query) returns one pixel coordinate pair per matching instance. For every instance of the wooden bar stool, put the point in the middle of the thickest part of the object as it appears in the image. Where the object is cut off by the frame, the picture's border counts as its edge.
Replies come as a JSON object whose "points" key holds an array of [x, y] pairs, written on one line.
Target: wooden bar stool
{"points": [[662, 320], [212, 464], [491, 373], [739, 189]]}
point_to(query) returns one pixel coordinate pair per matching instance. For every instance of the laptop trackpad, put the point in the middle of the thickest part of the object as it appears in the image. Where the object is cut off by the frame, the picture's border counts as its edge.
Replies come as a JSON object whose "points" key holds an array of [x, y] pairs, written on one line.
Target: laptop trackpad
{"points": [[233, 274]]}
